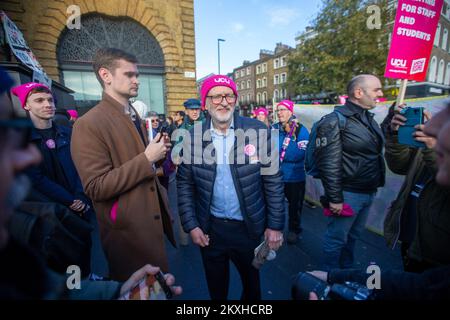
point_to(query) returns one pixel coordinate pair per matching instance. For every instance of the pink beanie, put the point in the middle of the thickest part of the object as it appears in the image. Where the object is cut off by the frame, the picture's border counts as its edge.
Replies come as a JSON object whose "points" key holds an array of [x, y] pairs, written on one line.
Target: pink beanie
{"points": [[216, 81], [261, 110], [73, 113], [23, 90], [288, 104]]}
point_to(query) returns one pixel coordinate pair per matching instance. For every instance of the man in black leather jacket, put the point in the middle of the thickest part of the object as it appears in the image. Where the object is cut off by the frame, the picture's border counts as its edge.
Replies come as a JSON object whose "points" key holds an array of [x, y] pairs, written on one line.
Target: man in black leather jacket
{"points": [[351, 167], [227, 202]]}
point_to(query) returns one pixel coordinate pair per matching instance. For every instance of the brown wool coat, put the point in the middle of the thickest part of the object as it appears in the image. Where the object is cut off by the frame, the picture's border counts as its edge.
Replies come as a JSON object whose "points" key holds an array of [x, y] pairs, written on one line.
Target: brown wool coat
{"points": [[109, 156]]}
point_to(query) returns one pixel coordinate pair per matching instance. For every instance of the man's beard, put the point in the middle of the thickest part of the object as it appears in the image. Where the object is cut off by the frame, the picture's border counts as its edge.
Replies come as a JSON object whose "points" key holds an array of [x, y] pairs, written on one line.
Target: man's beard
{"points": [[223, 118]]}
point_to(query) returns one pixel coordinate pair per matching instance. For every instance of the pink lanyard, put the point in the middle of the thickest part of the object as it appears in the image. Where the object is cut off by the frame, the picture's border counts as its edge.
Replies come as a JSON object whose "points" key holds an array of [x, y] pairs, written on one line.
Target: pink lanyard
{"points": [[287, 139]]}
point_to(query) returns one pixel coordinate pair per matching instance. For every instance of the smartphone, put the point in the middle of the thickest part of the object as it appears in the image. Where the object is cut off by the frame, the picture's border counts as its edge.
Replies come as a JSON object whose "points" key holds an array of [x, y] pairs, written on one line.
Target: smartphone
{"points": [[152, 287], [163, 128], [414, 116]]}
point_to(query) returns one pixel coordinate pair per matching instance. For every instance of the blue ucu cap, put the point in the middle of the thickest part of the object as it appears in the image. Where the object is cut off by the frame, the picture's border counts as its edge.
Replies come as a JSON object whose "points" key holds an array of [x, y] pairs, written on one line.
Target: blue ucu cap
{"points": [[192, 104]]}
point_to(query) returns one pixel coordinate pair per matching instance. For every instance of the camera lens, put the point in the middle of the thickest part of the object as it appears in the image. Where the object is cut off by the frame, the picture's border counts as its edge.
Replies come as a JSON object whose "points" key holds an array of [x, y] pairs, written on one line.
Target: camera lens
{"points": [[306, 283]]}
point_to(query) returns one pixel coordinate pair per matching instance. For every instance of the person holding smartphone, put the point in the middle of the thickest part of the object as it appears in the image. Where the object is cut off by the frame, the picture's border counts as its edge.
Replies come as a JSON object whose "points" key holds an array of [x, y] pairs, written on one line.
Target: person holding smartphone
{"points": [[420, 200], [117, 166]]}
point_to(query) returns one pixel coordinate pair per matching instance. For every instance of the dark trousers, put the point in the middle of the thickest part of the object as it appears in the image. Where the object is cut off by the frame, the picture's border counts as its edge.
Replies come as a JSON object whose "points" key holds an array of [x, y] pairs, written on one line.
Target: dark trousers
{"points": [[229, 240], [295, 194]]}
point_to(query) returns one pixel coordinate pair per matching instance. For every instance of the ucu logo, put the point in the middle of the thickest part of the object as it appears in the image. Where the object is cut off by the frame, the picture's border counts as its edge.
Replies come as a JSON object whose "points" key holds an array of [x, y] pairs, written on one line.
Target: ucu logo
{"points": [[399, 63], [222, 80]]}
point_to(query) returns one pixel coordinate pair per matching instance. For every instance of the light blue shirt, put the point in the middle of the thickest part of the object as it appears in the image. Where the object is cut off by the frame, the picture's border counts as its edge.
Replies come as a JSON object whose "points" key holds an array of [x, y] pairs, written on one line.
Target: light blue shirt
{"points": [[225, 202]]}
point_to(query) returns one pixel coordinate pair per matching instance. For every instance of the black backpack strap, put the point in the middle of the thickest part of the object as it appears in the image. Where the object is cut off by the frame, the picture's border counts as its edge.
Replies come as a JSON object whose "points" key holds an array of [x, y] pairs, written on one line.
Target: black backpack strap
{"points": [[342, 120]]}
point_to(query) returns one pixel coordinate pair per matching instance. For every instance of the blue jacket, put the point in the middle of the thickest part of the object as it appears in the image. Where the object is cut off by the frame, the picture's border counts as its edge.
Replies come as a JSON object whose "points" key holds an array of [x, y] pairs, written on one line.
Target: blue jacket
{"points": [[261, 197], [293, 166], [39, 174]]}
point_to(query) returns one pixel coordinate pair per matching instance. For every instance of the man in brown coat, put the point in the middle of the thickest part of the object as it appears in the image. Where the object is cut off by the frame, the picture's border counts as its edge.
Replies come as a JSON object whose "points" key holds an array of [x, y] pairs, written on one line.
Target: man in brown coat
{"points": [[117, 167]]}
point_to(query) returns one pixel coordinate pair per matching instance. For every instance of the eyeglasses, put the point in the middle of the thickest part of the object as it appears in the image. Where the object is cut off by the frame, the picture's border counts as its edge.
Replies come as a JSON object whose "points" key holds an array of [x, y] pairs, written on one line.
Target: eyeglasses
{"points": [[282, 110], [218, 98], [155, 120], [16, 129]]}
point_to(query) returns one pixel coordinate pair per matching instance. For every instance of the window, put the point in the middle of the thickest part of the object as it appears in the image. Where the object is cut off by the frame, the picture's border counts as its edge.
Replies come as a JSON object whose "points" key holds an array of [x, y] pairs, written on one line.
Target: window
{"points": [[276, 95], [264, 97], [283, 61], [440, 77], [276, 63], [265, 67], [432, 70], [264, 82], [243, 85], [242, 73], [87, 88], [248, 98], [276, 79], [285, 94], [283, 77], [258, 69], [437, 36], [445, 39], [249, 84], [447, 75], [237, 86], [74, 54], [236, 75], [248, 71], [258, 98], [258, 83]]}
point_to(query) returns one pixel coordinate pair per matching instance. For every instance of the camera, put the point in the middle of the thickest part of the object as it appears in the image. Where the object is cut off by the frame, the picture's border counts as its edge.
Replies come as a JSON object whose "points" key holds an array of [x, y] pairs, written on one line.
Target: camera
{"points": [[305, 283]]}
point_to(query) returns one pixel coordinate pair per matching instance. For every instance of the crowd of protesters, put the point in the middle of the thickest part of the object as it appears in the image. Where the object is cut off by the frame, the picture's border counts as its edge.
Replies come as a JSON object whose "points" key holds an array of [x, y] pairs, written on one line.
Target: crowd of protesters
{"points": [[109, 171]]}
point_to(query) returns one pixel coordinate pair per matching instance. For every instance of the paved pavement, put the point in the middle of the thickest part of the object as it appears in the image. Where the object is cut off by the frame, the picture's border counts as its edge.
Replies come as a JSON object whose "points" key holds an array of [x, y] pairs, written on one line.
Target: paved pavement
{"points": [[277, 275]]}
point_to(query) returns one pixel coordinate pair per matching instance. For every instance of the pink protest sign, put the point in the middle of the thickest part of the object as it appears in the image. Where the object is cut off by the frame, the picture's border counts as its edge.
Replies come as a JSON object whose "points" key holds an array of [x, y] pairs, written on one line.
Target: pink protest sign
{"points": [[412, 39]]}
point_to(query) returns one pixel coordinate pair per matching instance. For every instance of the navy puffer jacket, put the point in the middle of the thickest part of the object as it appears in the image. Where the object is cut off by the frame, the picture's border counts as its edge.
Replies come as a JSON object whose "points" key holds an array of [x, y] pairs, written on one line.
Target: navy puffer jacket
{"points": [[261, 196]]}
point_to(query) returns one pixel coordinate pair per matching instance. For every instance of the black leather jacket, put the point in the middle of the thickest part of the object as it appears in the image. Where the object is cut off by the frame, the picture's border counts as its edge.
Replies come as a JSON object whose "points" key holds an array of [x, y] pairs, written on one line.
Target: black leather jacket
{"points": [[353, 162]]}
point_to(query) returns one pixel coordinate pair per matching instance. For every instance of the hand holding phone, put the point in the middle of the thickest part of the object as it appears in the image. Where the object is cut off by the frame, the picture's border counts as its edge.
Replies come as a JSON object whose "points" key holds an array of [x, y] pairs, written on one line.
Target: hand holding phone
{"points": [[414, 117]]}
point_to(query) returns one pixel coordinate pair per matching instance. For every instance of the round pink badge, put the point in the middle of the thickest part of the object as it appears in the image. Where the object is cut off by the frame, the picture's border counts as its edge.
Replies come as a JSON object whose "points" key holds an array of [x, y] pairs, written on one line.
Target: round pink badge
{"points": [[249, 150], [50, 143]]}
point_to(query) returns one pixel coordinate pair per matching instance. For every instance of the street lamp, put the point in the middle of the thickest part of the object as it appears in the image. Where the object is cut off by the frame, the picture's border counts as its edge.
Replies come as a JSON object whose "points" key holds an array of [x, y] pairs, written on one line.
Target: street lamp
{"points": [[218, 51]]}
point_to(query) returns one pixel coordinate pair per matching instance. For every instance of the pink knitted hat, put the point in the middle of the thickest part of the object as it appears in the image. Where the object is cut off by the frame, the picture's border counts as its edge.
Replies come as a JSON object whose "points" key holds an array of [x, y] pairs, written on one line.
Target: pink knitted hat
{"points": [[216, 81], [288, 104], [23, 90], [73, 113], [261, 110]]}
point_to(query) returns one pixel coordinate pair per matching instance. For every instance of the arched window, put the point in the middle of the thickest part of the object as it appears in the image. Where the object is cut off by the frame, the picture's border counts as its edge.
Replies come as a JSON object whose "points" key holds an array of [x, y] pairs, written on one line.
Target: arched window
{"points": [[441, 69], [276, 95], [445, 39], [432, 70], [437, 36], [447, 75], [264, 97], [76, 49], [258, 98], [249, 83]]}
